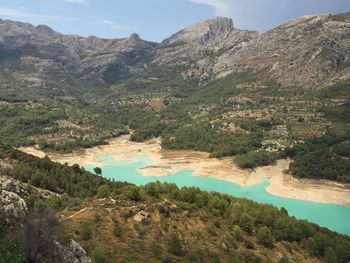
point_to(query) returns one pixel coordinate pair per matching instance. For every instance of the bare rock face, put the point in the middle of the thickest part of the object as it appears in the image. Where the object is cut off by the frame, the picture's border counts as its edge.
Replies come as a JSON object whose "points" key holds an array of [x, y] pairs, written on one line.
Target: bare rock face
{"points": [[310, 51], [12, 195], [72, 252], [197, 48], [87, 57], [12, 205], [209, 32]]}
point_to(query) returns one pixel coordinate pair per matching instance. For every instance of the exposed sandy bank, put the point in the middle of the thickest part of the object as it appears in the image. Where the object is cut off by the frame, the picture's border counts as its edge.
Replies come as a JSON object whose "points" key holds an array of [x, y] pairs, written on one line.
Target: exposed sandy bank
{"points": [[311, 190], [166, 162]]}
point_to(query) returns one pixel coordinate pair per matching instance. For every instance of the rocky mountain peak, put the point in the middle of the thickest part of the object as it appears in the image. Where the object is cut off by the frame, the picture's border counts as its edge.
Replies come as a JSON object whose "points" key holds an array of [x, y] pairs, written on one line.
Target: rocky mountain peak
{"points": [[305, 22], [218, 24], [134, 39], [45, 30], [203, 32], [309, 48], [135, 36]]}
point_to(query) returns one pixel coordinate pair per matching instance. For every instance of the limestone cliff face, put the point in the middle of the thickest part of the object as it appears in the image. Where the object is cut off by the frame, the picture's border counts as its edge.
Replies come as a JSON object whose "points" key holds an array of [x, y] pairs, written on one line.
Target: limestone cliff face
{"points": [[13, 206], [71, 252], [197, 48], [208, 33], [311, 50], [308, 51], [87, 57], [12, 194]]}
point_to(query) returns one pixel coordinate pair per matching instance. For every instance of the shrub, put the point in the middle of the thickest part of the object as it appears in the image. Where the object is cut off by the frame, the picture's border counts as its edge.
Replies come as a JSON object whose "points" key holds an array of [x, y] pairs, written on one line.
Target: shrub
{"points": [[330, 255], [103, 191], [176, 245], [117, 229], [265, 236], [311, 246], [284, 259], [256, 158], [98, 170], [246, 222], [97, 217], [85, 231], [237, 233], [134, 194], [11, 250], [11, 246], [99, 255]]}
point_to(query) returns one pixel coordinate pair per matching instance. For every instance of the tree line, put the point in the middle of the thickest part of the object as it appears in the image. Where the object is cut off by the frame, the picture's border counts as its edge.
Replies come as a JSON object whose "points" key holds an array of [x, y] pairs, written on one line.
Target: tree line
{"points": [[325, 157], [265, 222]]}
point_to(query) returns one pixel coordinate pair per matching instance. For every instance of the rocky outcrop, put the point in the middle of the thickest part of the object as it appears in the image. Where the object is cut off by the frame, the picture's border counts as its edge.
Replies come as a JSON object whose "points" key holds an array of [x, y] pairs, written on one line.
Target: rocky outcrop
{"points": [[86, 57], [12, 205], [197, 48], [72, 252], [310, 51], [14, 208], [12, 195], [214, 32]]}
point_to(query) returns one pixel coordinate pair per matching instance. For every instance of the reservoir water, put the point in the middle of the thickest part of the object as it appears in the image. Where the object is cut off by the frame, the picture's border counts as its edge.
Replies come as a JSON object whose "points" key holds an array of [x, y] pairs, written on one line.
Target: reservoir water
{"points": [[334, 217]]}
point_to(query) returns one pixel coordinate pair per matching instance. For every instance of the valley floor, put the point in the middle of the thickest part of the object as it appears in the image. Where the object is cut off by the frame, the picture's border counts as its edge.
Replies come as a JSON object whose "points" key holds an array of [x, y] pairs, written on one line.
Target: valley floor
{"points": [[165, 162]]}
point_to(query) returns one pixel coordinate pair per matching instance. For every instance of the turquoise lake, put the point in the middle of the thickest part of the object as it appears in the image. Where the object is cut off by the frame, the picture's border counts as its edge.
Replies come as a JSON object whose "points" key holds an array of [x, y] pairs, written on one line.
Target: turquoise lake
{"points": [[334, 217]]}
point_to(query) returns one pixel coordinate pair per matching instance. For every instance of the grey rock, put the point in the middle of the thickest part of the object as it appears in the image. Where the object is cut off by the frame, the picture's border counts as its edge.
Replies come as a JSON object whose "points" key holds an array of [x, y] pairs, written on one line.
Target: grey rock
{"points": [[14, 208], [311, 51], [11, 185], [197, 48], [72, 252], [12, 195], [12, 205], [77, 55]]}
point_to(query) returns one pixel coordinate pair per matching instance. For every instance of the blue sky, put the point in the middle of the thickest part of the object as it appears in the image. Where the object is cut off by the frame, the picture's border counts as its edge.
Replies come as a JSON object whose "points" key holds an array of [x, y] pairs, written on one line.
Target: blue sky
{"points": [[157, 19]]}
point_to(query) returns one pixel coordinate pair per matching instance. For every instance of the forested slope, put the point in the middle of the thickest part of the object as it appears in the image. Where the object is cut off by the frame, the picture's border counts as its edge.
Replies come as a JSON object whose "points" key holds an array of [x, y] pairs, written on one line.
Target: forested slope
{"points": [[184, 224]]}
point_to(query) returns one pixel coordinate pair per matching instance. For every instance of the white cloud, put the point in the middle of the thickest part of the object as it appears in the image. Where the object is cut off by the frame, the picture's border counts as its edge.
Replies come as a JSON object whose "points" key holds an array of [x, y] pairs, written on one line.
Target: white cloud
{"points": [[118, 27], [247, 14], [263, 15], [21, 15], [222, 7], [76, 1]]}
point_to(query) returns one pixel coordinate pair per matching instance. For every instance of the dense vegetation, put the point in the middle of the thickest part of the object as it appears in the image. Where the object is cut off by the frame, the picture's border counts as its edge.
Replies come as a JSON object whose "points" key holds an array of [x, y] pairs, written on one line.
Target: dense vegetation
{"points": [[254, 159], [246, 229], [44, 173], [205, 137], [11, 245], [246, 114], [19, 123], [49, 126], [30, 239], [326, 157]]}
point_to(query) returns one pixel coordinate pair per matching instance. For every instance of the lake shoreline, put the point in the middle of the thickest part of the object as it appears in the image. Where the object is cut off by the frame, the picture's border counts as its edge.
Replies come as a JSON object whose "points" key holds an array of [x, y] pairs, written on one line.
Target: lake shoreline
{"points": [[167, 162]]}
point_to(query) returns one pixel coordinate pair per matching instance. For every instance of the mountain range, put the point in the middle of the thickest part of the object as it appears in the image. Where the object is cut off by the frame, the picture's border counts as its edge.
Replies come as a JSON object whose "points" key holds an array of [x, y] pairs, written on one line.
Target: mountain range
{"points": [[310, 51]]}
